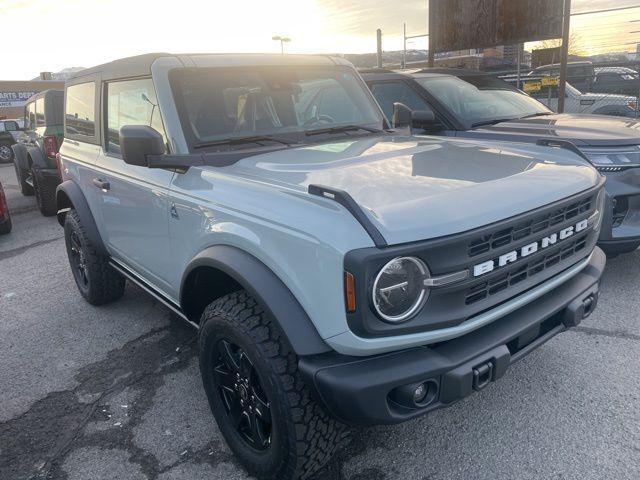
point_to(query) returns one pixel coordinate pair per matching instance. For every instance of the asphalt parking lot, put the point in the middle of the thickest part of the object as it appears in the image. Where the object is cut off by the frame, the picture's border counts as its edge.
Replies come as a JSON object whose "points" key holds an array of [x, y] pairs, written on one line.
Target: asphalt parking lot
{"points": [[114, 392]]}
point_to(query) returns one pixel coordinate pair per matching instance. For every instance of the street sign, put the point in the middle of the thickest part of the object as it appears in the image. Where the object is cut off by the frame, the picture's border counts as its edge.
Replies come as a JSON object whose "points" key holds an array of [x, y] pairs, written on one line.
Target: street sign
{"points": [[533, 86], [550, 81]]}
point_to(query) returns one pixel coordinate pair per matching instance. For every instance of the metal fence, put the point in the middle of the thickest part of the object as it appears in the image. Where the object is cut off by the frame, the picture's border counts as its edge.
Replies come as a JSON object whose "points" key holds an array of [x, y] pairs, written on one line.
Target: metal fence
{"points": [[604, 90]]}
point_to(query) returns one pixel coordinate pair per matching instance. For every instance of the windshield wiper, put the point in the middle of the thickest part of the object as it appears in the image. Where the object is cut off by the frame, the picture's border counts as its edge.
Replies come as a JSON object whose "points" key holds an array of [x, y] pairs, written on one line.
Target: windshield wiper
{"points": [[538, 114], [342, 129], [491, 122], [240, 140]]}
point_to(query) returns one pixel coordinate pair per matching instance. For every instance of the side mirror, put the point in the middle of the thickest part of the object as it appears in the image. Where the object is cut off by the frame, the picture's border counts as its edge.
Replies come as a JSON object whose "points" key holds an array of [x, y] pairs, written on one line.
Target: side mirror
{"points": [[139, 141], [401, 115], [424, 119]]}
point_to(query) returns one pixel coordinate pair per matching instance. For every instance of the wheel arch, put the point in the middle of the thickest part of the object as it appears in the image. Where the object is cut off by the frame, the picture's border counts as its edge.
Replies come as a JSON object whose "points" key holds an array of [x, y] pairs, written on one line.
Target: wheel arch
{"points": [[221, 269], [35, 158], [20, 156], [68, 196]]}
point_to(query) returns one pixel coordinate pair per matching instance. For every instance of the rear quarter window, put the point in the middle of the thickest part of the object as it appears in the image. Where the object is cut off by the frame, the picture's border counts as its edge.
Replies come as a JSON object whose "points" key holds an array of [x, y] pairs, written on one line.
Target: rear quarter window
{"points": [[40, 112], [80, 117]]}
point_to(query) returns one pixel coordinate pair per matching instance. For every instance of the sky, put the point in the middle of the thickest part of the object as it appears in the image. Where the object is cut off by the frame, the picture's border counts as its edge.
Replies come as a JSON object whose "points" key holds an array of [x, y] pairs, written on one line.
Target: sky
{"points": [[83, 33]]}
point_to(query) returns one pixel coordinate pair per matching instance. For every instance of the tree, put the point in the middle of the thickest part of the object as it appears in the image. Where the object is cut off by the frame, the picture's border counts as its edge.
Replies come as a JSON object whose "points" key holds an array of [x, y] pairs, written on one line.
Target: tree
{"points": [[576, 44]]}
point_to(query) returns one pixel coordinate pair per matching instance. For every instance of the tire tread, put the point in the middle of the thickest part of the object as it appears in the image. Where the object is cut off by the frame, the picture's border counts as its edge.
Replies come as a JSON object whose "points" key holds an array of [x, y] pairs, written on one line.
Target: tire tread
{"points": [[106, 285], [318, 436]]}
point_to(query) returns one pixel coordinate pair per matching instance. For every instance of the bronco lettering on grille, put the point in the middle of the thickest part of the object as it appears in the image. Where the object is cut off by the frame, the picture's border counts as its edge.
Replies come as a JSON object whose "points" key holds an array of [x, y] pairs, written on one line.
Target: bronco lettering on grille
{"points": [[529, 249]]}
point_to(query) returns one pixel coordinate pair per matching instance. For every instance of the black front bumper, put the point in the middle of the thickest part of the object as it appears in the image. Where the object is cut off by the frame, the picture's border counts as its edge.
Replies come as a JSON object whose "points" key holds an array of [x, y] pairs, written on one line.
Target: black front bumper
{"points": [[620, 231], [378, 389]]}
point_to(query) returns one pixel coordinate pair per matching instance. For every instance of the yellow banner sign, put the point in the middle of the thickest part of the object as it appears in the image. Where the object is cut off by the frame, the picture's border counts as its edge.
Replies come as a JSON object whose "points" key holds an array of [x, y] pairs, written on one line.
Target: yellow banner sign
{"points": [[550, 81], [532, 86]]}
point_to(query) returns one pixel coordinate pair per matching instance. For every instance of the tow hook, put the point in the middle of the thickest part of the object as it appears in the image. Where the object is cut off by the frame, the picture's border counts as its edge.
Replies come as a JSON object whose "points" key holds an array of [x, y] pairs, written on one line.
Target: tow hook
{"points": [[580, 309], [482, 375]]}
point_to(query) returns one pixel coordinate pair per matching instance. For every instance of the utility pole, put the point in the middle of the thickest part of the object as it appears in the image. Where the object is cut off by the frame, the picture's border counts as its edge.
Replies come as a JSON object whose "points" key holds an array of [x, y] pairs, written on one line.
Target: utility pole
{"points": [[519, 60], [432, 29], [379, 47], [404, 45], [564, 54]]}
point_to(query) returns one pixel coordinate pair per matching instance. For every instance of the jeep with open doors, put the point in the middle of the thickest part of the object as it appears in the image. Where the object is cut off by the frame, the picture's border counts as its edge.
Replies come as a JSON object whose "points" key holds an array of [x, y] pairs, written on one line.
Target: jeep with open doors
{"points": [[339, 273], [36, 148]]}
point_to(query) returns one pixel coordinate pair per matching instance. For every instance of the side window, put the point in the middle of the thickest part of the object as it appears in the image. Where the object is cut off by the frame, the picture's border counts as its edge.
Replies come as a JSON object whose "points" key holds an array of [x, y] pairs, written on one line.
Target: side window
{"points": [[386, 93], [40, 112], [30, 116], [80, 119], [131, 102], [11, 126]]}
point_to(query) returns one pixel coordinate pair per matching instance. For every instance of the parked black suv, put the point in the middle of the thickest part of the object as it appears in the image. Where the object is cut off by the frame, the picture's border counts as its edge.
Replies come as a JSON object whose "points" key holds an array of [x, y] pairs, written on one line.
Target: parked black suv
{"points": [[37, 146], [471, 104]]}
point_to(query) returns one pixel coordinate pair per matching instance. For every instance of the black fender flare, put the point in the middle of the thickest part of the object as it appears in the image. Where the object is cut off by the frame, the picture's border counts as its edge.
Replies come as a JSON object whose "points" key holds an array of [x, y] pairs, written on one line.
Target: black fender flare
{"points": [[37, 158], [68, 196], [20, 156], [268, 290]]}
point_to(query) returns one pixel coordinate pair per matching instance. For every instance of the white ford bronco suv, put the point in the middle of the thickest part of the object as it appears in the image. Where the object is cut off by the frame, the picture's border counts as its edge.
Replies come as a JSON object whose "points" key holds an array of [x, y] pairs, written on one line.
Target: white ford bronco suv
{"points": [[339, 273]]}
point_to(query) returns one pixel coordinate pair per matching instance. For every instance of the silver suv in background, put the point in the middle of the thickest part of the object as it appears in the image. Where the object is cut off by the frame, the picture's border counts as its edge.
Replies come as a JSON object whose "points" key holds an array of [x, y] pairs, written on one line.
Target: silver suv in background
{"points": [[338, 273]]}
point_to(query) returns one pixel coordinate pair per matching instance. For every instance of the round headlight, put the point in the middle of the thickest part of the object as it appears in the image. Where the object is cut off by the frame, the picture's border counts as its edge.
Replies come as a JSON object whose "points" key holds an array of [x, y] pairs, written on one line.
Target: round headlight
{"points": [[398, 290]]}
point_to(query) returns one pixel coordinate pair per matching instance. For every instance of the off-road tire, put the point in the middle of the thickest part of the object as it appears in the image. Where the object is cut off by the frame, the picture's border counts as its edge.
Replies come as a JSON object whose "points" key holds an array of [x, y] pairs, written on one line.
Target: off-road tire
{"points": [[304, 437], [21, 175], [104, 284], [45, 191], [6, 147]]}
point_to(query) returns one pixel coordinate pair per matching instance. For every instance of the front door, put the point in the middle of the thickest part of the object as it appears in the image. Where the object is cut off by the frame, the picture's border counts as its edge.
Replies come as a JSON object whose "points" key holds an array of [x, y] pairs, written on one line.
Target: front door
{"points": [[134, 200]]}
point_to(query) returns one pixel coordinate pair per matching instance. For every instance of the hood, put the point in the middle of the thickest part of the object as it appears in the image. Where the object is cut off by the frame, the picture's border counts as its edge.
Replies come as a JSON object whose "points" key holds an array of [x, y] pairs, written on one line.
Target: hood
{"points": [[586, 130], [607, 97], [414, 189]]}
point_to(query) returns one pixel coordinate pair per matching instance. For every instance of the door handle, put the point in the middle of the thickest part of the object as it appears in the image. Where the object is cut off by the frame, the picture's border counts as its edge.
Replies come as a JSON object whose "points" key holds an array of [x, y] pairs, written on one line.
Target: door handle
{"points": [[101, 184]]}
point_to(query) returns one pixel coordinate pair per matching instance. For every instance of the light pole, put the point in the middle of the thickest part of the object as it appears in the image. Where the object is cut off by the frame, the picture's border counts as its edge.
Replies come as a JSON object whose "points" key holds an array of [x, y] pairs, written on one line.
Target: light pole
{"points": [[282, 40]]}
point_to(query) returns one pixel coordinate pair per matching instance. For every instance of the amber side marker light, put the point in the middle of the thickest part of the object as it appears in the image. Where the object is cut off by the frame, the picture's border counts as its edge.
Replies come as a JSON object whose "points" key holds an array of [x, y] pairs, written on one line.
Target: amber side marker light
{"points": [[349, 292]]}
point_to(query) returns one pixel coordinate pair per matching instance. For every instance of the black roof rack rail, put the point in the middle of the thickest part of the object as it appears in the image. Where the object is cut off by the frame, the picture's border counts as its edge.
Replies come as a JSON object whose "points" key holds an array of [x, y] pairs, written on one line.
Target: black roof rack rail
{"points": [[347, 201]]}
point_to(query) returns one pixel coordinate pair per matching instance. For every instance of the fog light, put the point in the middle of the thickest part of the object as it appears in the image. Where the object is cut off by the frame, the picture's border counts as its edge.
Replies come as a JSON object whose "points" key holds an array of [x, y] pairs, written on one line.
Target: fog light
{"points": [[420, 393]]}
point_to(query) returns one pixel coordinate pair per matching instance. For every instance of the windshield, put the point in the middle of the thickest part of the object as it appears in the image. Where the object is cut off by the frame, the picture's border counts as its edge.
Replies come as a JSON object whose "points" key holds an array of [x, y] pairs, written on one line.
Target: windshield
{"points": [[477, 99], [281, 102]]}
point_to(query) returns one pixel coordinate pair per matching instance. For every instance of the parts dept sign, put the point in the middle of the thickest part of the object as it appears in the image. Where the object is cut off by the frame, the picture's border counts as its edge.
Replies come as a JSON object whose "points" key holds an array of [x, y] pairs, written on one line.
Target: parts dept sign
{"points": [[14, 99]]}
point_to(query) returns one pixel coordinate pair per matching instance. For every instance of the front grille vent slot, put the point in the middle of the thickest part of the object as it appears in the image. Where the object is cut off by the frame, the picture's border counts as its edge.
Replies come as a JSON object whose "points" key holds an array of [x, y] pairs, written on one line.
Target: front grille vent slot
{"points": [[520, 273], [528, 228]]}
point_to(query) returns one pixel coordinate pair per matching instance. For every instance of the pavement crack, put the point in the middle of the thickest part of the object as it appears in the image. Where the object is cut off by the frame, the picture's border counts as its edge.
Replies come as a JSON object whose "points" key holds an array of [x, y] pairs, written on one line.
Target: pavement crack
{"points": [[607, 333], [35, 443], [20, 250]]}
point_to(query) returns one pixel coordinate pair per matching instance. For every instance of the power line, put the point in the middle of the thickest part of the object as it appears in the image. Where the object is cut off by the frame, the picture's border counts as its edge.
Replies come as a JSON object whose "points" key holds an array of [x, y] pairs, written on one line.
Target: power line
{"points": [[605, 10]]}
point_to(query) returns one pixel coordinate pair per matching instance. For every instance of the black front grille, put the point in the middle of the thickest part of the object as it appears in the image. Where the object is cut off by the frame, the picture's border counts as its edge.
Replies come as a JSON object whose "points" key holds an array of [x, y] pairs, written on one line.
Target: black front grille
{"points": [[528, 228], [522, 272]]}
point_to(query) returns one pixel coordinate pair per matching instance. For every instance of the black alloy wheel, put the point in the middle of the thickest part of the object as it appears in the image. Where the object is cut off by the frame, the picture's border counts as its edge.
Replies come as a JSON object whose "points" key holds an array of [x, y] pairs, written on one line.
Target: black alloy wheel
{"points": [[78, 261], [242, 394]]}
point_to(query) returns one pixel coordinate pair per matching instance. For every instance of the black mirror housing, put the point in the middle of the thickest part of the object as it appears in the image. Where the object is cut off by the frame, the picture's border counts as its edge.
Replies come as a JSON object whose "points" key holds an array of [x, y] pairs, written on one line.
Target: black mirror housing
{"points": [[137, 142], [401, 115], [424, 119]]}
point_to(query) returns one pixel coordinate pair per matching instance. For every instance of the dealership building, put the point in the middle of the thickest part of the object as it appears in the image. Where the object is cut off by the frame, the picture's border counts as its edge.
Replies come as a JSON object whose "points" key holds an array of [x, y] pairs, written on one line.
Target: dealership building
{"points": [[14, 94]]}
